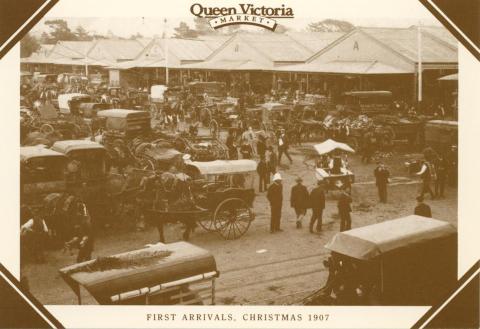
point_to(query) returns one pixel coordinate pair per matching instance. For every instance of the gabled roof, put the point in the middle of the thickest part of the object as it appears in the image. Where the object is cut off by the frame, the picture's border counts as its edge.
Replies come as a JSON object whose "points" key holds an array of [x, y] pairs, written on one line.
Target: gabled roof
{"points": [[404, 42], [115, 50], [71, 49], [315, 41], [440, 33], [180, 51], [277, 47]]}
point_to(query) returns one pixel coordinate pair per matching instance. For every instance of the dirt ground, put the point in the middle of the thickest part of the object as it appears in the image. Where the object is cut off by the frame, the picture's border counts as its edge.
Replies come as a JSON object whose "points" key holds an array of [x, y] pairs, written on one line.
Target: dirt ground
{"points": [[262, 268]]}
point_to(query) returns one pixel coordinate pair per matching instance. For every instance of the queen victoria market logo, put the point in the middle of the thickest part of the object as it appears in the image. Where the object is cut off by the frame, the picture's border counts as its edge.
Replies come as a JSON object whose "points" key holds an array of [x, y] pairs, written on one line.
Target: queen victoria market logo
{"points": [[244, 14]]}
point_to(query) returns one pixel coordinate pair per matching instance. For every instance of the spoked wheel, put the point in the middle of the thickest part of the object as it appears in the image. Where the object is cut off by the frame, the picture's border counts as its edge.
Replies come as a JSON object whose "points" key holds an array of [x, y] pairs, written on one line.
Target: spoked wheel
{"points": [[232, 218], [208, 223]]}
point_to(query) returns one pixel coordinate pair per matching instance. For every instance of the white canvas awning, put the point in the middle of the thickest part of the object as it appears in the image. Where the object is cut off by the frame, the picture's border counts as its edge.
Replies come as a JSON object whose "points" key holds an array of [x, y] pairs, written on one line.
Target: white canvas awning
{"points": [[331, 145], [370, 241], [219, 167]]}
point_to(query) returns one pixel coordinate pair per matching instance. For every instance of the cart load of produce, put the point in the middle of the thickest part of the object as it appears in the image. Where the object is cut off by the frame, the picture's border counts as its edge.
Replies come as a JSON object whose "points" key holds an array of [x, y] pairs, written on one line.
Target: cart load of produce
{"points": [[391, 120], [353, 122], [139, 259]]}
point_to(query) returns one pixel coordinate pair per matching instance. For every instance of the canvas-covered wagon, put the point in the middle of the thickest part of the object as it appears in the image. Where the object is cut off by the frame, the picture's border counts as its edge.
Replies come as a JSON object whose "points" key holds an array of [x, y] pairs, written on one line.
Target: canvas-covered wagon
{"points": [[160, 274]]}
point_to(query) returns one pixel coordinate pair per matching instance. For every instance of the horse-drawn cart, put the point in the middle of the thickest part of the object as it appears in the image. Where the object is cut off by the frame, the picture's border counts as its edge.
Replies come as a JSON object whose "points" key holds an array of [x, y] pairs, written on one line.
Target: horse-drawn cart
{"points": [[219, 198]]}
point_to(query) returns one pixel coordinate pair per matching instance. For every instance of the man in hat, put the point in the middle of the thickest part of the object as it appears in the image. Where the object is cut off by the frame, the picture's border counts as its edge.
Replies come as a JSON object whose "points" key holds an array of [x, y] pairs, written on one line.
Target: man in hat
{"points": [[382, 175], [261, 145], [317, 202], [344, 210], [299, 200], [422, 209], [275, 197], [230, 143], [263, 174], [283, 144]]}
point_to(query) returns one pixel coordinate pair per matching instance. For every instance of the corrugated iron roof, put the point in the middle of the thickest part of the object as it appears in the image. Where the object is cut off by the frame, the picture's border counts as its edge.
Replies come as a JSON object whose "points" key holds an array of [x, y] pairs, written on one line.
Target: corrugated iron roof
{"points": [[71, 49], [179, 51], [115, 50], [345, 67], [404, 42], [441, 33], [315, 41], [277, 47]]}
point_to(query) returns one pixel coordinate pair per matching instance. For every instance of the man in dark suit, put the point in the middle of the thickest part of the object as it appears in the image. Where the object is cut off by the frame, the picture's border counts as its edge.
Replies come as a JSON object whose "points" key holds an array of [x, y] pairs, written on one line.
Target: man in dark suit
{"points": [[344, 210], [381, 174], [422, 209], [299, 200], [317, 202], [275, 197], [263, 175], [261, 145], [283, 144]]}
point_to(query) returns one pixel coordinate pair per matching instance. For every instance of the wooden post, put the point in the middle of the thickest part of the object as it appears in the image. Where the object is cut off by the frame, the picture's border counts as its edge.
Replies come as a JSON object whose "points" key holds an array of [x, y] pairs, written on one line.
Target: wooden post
{"points": [[213, 291]]}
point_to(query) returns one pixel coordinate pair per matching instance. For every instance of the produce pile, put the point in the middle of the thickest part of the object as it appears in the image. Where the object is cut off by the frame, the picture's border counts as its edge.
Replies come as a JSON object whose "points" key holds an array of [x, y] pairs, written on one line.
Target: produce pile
{"points": [[353, 122], [127, 261], [359, 122]]}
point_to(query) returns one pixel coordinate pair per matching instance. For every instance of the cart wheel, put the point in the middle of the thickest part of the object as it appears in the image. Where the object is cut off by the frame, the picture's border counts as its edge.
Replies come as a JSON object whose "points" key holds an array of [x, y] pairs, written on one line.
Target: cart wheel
{"points": [[208, 223], [146, 164], [47, 129], [232, 218]]}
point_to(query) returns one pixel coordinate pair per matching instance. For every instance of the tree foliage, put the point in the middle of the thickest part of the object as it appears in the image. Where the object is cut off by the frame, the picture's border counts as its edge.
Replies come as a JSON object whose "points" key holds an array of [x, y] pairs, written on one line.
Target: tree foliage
{"points": [[82, 35], [330, 25], [59, 31], [184, 31], [28, 45], [202, 26]]}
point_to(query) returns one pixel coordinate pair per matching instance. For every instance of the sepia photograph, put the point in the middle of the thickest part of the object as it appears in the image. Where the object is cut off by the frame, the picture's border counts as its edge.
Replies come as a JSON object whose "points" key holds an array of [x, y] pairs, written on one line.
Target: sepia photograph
{"points": [[239, 155]]}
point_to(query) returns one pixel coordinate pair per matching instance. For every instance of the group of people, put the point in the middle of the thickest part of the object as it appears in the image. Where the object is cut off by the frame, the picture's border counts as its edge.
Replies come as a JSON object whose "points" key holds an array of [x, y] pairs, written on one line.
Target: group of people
{"points": [[382, 176], [301, 200]]}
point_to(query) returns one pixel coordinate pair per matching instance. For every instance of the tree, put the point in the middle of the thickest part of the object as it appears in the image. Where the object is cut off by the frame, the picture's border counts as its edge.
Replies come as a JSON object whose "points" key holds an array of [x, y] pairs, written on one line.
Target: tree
{"points": [[330, 25], [82, 35], [28, 45], [202, 26], [184, 31], [45, 39], [60, 30]]}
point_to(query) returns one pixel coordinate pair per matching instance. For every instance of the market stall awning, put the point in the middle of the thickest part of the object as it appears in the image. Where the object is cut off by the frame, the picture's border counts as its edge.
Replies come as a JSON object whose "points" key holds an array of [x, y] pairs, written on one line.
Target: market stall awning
{"points": [[370, 241], [345, 67], [141, 63], [229, 65], [331, 145], [450, 77]]}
